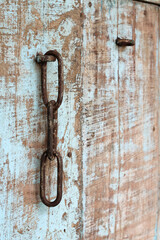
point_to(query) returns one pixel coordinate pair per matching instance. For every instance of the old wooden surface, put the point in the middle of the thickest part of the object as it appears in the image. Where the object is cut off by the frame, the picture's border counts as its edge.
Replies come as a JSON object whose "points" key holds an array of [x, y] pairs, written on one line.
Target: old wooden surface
{"points": [[120, 121], [108, 122], [28, 27], [158, 225], [138, 77]]}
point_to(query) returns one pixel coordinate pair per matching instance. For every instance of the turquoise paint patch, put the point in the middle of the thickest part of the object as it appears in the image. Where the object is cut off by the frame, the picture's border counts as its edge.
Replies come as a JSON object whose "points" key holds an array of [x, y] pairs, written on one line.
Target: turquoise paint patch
{"points": [[156, 228]]}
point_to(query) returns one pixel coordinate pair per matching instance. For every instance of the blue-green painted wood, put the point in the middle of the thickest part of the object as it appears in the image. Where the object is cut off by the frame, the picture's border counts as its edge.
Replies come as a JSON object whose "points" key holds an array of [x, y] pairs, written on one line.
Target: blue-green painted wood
{"points": [[28, 27]]}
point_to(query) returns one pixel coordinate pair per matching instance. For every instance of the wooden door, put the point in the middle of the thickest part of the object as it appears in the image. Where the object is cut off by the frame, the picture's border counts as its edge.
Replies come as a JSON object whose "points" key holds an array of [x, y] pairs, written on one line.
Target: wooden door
{"points": [[29, 27], [108, 123], [120, 128]]}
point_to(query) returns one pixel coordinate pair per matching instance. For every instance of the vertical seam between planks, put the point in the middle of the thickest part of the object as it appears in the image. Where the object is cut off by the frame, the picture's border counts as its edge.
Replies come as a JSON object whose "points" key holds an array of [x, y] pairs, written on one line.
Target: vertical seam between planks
{"points": [[158, 197], [81, 121], [158, 103], [118, 120], [157, 231], [82, 235]]}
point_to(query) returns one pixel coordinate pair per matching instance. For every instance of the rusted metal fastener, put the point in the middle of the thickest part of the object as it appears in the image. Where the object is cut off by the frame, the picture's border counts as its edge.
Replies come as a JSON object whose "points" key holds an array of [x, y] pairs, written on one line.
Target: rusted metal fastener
{"points": [[125, 42], [45, 58], [52, 113]]}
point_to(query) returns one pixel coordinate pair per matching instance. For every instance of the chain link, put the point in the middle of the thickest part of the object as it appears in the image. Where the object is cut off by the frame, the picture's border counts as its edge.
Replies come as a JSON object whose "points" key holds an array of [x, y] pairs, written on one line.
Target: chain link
{"points": [[52, 113]]}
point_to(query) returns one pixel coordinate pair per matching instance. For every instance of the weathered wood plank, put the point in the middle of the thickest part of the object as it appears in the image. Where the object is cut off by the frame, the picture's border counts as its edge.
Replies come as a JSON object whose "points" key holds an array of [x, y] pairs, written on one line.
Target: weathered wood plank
{"points": [[28, 27], [158, 218], [100, 129], [120, 121], [138, 107]]}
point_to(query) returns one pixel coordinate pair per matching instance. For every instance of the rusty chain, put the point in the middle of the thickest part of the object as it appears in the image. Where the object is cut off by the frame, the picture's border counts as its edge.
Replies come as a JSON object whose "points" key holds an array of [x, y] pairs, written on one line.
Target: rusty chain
{"points": [[52, 113]]}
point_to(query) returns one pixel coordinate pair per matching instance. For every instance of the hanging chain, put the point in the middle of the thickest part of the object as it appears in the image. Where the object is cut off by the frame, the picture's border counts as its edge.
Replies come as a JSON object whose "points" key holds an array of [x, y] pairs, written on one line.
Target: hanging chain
{"points": [[52, 113]]}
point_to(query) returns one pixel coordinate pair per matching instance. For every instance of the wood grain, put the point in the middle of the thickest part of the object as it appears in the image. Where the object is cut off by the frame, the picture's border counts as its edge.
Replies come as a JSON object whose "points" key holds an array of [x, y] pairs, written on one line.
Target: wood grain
{"points": [[100, 129], [28, 27], [120, 121], [138, 106], [108, 129], [158, 218]]}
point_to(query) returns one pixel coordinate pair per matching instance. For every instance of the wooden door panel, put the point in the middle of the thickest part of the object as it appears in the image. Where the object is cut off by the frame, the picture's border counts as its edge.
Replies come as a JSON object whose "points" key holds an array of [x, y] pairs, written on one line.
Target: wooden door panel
{"points": [[120, 128], [107, 124], [138, 106], [28, 27], [100, 130], [158, 219]]}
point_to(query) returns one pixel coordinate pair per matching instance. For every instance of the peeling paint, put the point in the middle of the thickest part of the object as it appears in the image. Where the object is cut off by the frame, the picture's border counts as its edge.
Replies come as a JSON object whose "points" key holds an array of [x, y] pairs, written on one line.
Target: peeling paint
{"points": [[107, 124], [28, 28]]}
